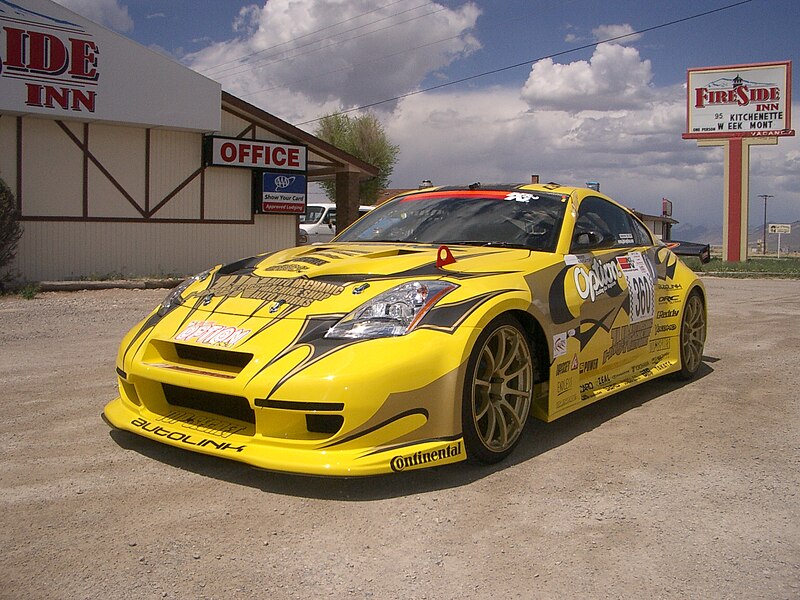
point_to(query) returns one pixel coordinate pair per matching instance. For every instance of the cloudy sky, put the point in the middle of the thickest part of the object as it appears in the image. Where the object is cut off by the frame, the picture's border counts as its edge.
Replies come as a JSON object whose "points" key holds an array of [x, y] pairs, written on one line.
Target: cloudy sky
{"points": [[515, 87]]}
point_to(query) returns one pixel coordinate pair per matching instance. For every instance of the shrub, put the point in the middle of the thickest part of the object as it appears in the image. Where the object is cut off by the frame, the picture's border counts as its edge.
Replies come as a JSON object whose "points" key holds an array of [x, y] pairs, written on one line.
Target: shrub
{"points": [[10, 230]]}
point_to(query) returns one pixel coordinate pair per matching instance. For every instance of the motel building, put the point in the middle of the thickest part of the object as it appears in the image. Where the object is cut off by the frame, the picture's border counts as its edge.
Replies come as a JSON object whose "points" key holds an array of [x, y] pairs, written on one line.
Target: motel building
{"points": [[124, 161]]}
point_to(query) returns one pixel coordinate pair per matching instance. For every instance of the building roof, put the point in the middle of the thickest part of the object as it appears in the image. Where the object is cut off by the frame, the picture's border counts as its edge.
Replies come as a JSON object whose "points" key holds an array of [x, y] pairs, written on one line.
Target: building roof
{"points": [[324, 159]]}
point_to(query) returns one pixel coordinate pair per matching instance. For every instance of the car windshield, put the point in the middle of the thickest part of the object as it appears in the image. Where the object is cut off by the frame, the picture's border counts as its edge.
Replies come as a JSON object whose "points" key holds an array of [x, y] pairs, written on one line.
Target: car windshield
{"points": [[313, 214], [517, 219]]}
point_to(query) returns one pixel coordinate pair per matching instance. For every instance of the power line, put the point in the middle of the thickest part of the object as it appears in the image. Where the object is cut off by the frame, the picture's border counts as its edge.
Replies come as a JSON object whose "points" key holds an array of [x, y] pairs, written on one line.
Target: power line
{"points": [[531, 61], [349, 67], [248, 66], [304, 35]]}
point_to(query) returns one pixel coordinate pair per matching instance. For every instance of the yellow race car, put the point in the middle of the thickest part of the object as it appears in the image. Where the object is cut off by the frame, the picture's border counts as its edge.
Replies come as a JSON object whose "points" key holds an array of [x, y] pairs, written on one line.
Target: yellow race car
{"points": [[424, 334]]}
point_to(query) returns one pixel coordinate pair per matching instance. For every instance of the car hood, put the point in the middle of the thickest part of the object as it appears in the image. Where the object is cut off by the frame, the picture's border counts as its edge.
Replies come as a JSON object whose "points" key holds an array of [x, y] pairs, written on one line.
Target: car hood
{"points": [[335, 278]]}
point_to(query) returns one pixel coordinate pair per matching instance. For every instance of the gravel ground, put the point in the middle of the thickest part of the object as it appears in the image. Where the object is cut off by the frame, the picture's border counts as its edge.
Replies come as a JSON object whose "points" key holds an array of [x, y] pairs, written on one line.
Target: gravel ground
{"points": [[665, 491]]}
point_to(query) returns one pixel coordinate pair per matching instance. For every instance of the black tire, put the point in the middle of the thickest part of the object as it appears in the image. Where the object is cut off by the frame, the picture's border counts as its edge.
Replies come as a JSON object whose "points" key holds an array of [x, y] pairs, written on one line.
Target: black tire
{"points": [[498, 389], [693, 335]]}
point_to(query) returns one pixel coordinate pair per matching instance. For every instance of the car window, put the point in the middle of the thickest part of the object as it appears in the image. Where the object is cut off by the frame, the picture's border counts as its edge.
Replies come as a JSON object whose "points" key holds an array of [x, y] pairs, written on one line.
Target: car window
{"points": [[601, 224], [313, 214], [641, 233], [330, 217], [520, 219]]}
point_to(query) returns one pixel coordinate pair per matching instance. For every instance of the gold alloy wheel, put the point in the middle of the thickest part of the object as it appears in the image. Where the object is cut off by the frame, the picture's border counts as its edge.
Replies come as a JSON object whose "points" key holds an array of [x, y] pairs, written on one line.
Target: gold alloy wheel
{"points": [[693, 334], [502, 386]]}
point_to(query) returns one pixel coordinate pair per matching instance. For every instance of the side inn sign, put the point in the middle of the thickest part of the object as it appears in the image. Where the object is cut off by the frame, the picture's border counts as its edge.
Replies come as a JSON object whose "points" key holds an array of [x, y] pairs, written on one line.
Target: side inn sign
{"points": [[54, 62]]}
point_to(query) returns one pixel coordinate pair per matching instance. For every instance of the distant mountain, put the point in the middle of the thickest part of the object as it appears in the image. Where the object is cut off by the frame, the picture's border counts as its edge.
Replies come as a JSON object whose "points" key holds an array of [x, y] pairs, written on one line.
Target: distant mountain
{"points": [[701, 234]]}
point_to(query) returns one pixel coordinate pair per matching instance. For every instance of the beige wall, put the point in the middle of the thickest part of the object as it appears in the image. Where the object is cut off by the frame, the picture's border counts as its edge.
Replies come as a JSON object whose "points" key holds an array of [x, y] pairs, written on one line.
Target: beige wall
{"points": [[71, 250], [121, 183]]}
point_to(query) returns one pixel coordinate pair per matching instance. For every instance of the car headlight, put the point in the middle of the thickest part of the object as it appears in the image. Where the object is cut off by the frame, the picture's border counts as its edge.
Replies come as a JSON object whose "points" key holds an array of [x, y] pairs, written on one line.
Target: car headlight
{"points": [[175, 296], [394, 312]]}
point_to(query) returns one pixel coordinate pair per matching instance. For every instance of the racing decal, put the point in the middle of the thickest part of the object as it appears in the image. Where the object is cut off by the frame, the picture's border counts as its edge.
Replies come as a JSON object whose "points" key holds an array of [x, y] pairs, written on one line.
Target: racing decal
{"points": [[666, 263], [184, 438], [299, 292], [666, 328], [562, 368], [212, 334], [669, 287], [668, 314], [521, 197], [564, 386], [448, 317], [628, 337], [640, 278], [590, 283], [560, 343], [588, 366], [625, 238], [402, 462], [204, 424], [659, 345], [669, 299]]}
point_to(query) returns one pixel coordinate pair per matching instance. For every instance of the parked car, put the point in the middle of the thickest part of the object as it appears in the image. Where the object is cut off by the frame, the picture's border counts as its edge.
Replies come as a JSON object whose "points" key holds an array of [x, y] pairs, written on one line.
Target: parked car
{"points": [[424, 334], [319, 221]]}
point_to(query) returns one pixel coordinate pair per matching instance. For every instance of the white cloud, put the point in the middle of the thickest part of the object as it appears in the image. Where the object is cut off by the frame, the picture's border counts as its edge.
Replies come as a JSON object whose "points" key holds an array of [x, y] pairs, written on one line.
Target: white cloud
{"points": [[105, 12], [614, 78], [329, 52], [609, 32], [597, 120]]}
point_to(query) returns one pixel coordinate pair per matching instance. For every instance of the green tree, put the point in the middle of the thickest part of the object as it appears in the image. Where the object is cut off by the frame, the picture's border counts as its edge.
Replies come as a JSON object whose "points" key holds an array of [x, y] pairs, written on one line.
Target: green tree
{"points": [[10, 229], [363, 137]]}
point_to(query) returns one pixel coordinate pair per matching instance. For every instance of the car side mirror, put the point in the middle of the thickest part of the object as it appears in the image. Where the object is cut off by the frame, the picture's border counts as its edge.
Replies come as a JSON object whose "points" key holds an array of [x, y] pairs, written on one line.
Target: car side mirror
{"points": [[588, 239]]}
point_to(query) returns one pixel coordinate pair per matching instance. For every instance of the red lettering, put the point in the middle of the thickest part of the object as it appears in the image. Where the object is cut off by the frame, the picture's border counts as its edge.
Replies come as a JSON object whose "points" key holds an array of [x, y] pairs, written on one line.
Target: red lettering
{"points": [[34, 94], [84, 59], [258, 153], [700, 97], [244, 152], [48, 54], [58, 95], [279, 156], [742, 98], [294, 157], [228, 152], [83, 98], [16, 40]]}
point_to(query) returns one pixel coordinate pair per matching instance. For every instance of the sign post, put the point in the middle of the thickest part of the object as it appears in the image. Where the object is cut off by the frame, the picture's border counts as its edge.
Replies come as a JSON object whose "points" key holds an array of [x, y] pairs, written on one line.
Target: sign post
{"points": [[780, 228], [737, 107]]}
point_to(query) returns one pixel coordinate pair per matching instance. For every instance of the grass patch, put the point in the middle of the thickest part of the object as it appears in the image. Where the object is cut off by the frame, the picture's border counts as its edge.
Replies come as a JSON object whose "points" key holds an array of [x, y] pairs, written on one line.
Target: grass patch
{"points": [[28, 291], [788, 267]]}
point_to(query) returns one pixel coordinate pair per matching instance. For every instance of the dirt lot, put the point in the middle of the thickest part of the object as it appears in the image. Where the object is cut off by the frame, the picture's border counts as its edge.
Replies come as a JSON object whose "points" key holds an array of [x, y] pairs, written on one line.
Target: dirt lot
{"points": [[664, 491]]}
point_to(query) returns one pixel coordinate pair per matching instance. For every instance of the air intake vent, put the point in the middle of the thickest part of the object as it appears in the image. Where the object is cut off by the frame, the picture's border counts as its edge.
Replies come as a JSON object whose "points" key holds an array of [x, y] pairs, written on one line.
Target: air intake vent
{"points": [[213, 356], [233, 407]]}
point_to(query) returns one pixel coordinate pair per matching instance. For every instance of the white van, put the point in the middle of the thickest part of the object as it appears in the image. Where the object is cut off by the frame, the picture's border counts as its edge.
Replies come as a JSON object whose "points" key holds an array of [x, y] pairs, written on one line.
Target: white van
{"points": [[319, 221]]}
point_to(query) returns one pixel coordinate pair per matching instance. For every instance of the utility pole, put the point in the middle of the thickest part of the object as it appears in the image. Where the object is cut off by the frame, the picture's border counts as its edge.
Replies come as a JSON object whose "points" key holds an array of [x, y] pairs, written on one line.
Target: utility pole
{"points": [[764, 240]]}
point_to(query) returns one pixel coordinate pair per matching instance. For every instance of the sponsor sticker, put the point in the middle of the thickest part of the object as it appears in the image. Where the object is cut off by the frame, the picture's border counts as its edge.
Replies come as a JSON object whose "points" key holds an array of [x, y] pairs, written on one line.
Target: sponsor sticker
{"points": [[560, 343], [659, 345], [627, 338], [641, 280], [401, 462], [211, 334], [591, 283]]}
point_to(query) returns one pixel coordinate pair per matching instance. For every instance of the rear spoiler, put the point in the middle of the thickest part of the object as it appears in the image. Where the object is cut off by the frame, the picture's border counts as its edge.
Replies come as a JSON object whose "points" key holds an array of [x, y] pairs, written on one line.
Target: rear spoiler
{"points": [[701, 251]]}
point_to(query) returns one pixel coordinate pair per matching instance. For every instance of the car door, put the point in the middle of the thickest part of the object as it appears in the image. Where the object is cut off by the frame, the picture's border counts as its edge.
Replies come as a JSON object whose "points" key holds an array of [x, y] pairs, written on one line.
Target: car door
{"points": [[615, 278]]}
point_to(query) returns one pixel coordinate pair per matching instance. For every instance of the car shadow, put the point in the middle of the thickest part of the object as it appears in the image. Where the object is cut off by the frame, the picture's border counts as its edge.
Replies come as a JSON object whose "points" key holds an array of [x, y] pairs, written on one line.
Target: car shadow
{"points": [[538, 438]]}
